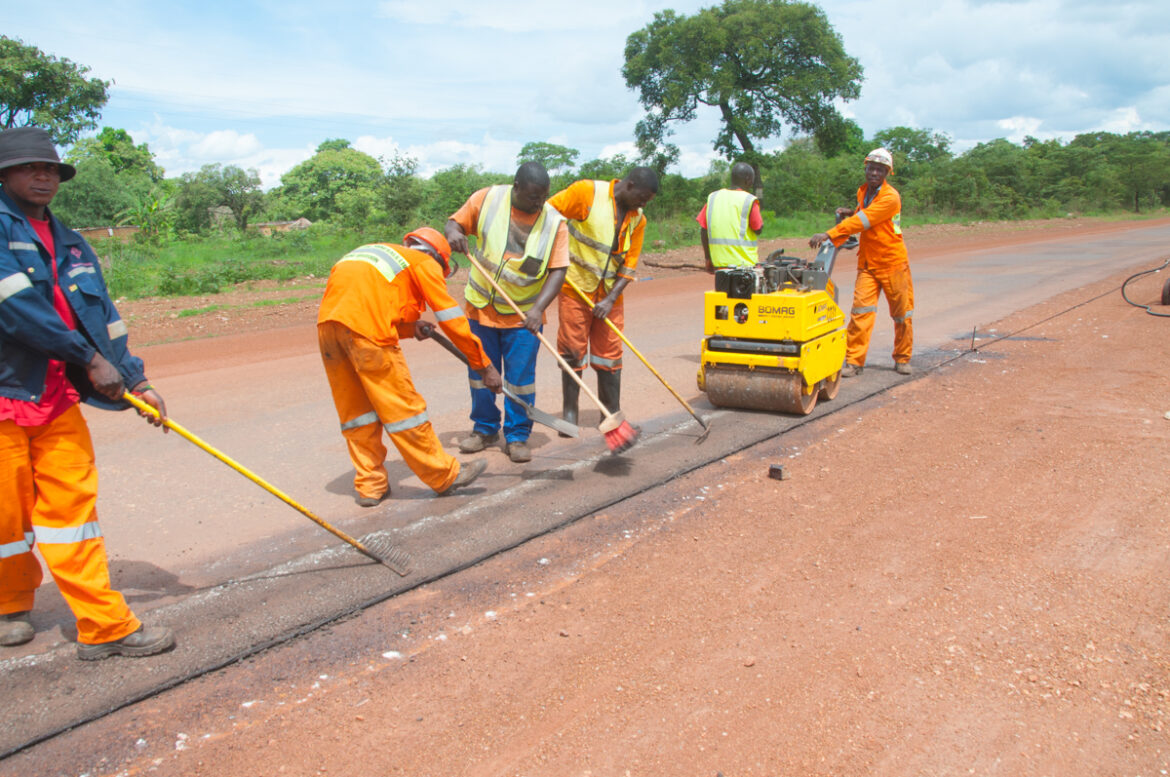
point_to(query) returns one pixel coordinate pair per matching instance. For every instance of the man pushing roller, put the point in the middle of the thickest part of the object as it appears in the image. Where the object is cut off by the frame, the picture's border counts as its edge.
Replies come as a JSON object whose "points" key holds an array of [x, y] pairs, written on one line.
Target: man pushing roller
{"points": [[882, 265]]}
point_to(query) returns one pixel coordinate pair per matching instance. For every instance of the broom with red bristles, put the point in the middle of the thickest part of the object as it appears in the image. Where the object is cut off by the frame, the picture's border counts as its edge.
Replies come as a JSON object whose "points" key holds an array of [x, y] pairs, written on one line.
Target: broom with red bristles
{"points": [[620, 434]]}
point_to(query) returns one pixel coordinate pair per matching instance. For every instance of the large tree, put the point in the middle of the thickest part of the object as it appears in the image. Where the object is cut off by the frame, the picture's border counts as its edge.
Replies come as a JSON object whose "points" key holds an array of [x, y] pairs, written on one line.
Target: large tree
{"points": [[763, 64], [42, 90], [214, 186], [311, 188], [555, 158], [117, 147]]}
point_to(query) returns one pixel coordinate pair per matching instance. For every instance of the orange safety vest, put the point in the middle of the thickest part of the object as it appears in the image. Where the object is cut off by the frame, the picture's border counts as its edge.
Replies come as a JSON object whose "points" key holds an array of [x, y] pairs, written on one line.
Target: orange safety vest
{"points": [[880, 225]]}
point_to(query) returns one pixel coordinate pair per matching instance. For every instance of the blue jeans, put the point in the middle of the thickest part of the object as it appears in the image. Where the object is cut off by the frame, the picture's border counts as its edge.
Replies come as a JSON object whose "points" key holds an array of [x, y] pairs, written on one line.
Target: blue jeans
{"points": [[513, 353]]}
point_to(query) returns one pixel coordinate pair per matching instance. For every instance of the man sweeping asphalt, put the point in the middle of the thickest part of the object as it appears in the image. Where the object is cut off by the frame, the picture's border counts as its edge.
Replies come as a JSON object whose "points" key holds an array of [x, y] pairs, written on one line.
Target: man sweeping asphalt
{"points": [[61, 342], [375, 295], [606, 228]]}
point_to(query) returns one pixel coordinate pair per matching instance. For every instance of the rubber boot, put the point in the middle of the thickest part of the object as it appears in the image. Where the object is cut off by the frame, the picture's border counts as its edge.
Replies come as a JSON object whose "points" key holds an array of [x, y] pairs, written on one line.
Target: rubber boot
{"points": [[570, 394], [609, 389]]}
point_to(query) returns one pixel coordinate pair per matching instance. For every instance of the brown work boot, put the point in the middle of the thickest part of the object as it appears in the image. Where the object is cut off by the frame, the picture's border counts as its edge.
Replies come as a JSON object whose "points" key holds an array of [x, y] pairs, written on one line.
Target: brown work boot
{"points": [[476, 442], [468, 472], [903, 368], [518, 451], [851, 370], [15, 629], [144, 642]]}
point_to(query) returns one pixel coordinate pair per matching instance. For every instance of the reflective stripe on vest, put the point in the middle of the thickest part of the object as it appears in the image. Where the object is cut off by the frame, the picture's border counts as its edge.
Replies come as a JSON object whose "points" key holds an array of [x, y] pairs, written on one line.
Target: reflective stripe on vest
{"points": [[520, 276], [382, 257], [14, 245], [448, 314], [591, 243], [117, 329], [728, 213]]}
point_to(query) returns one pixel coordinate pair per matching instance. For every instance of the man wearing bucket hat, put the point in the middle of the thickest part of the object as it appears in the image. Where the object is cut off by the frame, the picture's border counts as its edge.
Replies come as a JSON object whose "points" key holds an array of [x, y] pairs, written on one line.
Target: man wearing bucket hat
{"points": [[61, 341], [882, 265], [375, 295]]}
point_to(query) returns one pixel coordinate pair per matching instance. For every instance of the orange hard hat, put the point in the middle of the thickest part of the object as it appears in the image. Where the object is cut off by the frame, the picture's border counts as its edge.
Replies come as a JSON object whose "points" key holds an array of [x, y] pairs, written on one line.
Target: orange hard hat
{"points": [[434, 238]]}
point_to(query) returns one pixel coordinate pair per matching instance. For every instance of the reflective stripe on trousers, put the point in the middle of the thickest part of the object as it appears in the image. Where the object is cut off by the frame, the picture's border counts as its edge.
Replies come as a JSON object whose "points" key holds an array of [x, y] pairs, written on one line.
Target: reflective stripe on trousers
{"points": [[48, 493], [513, 352], [898, 287], [589, 340]]}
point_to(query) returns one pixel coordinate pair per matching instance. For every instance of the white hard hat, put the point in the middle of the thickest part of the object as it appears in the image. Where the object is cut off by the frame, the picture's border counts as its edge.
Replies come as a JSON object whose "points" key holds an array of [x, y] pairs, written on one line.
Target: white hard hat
{"points": [[882, 157]]}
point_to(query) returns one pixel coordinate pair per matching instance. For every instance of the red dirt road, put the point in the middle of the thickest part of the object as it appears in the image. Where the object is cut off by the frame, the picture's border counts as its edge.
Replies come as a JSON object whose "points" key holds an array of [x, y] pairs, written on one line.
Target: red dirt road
{"points": [[966, 574]]}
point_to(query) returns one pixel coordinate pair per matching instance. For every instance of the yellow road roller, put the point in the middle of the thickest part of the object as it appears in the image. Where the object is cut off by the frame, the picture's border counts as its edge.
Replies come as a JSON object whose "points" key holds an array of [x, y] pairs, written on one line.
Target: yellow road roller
{"points": [[773, 335]]}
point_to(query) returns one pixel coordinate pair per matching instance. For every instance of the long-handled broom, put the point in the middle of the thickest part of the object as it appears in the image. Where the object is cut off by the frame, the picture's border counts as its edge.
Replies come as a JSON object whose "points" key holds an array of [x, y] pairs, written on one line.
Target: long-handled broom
{"points": [[539, 416], [619, 434], [379, 548], [626, 340]]}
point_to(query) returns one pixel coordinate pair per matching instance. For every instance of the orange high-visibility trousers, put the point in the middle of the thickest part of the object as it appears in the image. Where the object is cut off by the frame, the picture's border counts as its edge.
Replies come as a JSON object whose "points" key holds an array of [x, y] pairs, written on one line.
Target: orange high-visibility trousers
{"points": [[48, 495], [372, 391], [896, 284], [579, 333]]}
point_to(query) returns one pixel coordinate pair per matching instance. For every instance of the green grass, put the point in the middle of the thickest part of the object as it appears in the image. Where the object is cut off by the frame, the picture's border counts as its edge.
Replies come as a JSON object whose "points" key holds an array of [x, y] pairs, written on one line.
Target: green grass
{"points": [[260, 303], [210, 265], [188, 312]]}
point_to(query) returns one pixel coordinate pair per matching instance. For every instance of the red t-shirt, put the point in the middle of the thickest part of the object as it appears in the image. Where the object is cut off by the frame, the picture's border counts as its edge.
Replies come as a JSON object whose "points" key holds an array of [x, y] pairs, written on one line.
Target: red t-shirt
{"points": [[59, 394]]}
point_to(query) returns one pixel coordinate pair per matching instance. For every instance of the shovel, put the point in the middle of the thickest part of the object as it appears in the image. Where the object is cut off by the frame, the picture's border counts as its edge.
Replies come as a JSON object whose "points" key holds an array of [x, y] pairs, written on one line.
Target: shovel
{"points": [[539, 416]]}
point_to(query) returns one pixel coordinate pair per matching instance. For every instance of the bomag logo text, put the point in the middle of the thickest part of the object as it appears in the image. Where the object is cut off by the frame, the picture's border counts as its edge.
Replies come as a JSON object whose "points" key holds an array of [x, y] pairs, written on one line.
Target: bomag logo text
{"points": [[777, 310]]}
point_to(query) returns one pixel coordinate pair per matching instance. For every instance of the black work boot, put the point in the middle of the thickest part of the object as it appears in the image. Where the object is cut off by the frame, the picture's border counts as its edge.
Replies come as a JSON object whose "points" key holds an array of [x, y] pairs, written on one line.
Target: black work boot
{"points": [[609, 389], [570, 393]]}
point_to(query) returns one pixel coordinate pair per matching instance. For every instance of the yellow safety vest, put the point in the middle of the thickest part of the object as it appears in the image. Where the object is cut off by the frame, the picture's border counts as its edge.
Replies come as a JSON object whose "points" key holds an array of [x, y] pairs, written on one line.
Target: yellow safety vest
{"points": [[732, 242], [591, 254], [522, 277]]}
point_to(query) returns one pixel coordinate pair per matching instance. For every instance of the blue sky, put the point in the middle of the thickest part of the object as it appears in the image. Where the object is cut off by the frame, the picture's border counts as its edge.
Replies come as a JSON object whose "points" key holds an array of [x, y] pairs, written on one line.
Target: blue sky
{"points": [[259, 84]]}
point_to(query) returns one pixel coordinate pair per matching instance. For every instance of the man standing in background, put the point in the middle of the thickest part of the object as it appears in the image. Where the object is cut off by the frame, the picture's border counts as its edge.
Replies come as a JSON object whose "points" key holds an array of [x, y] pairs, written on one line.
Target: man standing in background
{"points": [[730, 222]]}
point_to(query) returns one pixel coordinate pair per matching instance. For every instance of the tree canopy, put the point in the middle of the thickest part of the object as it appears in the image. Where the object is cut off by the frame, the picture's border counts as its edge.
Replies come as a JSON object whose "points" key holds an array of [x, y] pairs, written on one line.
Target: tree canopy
{"points": [[763, 64], [51, 93], [117, 147], [553, 157], [312, 188]]}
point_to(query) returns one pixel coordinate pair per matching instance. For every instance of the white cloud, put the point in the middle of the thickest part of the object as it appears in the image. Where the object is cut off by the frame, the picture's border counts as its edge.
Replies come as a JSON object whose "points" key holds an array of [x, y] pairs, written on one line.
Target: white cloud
{"points": [[515, 15], [228, 146]]}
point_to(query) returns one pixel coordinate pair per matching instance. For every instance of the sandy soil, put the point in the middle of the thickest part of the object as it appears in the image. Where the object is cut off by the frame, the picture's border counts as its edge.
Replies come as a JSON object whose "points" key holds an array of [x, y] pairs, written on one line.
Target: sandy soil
{"points": [[964, 575]]}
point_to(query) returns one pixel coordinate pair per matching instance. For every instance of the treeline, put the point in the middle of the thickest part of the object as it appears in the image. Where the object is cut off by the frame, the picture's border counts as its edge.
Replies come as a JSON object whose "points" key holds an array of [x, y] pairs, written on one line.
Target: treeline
{"points": [[119, 182]]}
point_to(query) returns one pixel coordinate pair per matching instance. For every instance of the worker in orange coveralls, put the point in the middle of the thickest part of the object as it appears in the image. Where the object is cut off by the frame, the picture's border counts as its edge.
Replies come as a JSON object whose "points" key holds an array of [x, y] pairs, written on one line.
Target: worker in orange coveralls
{"points": [[375, 295], [606, 229], [61, 342], [882, 265]]}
